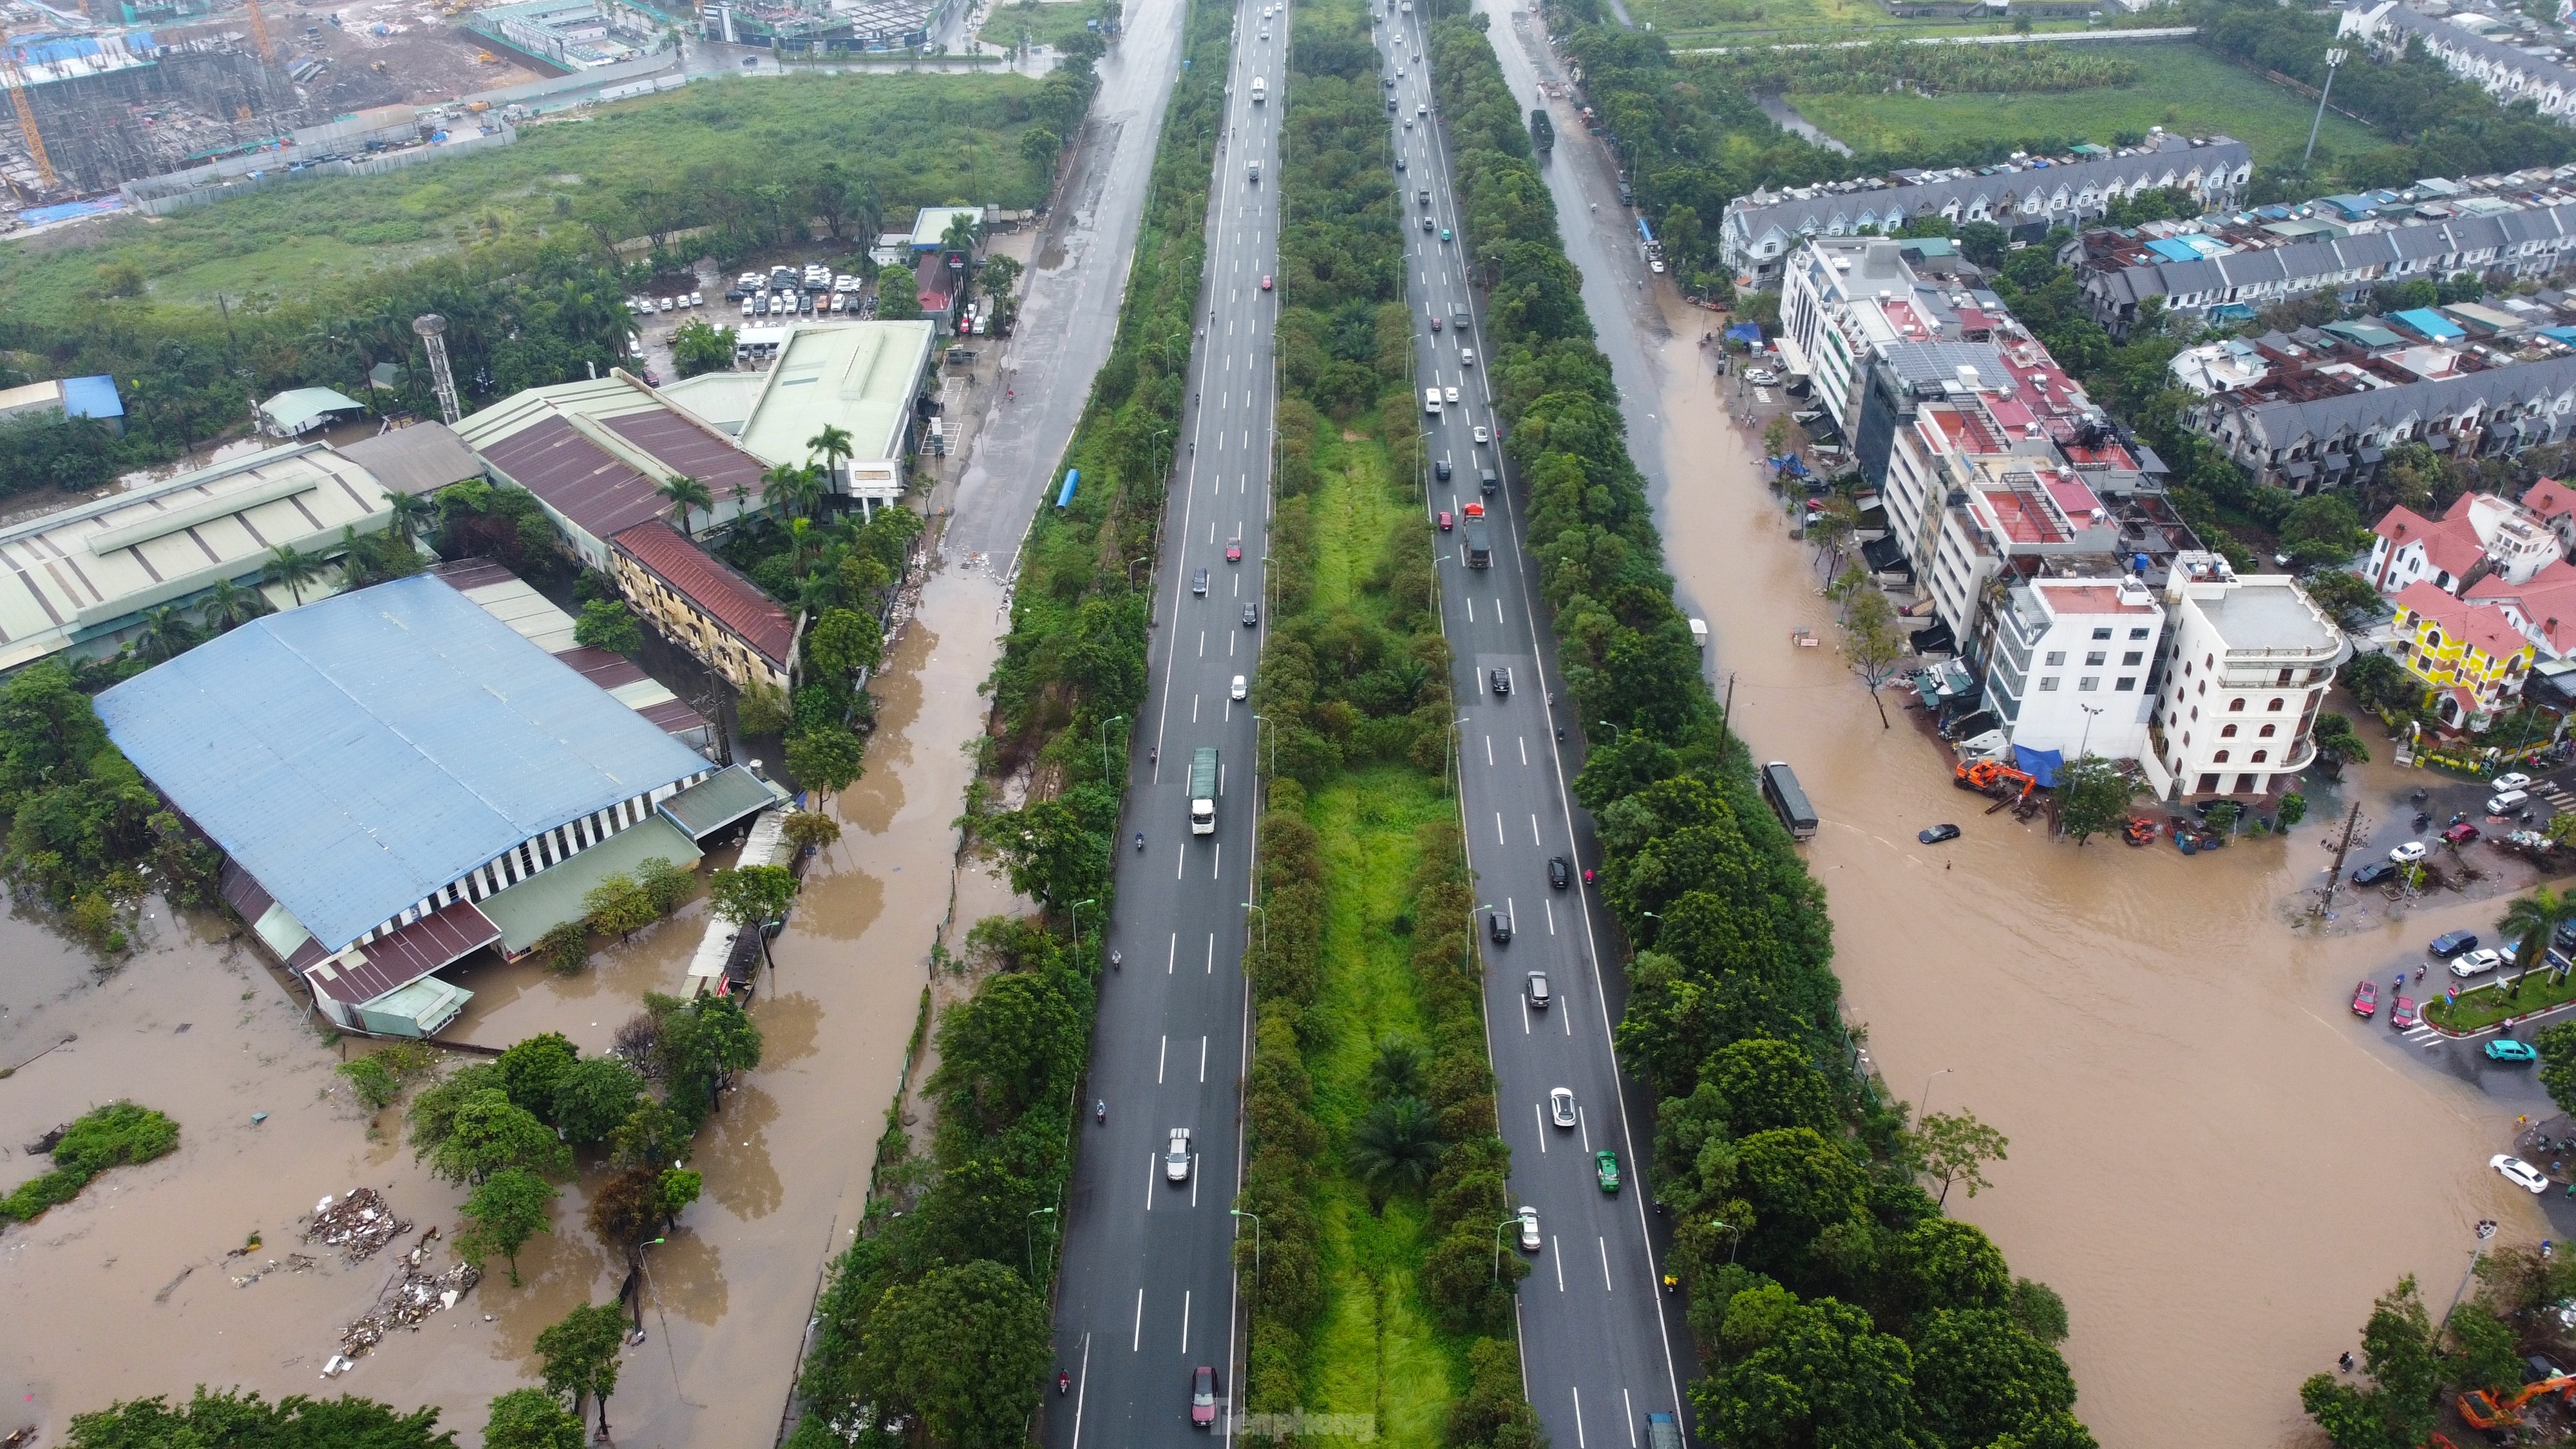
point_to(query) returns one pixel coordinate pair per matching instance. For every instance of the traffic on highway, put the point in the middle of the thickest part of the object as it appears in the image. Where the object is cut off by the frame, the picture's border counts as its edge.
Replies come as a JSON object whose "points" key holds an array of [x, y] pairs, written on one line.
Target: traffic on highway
{"points": [[1146, 1308], [1596, 1351]]}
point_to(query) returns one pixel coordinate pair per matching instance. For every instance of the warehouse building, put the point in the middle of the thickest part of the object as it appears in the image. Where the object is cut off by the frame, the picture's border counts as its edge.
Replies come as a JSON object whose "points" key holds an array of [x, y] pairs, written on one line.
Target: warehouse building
{"points": [[398, 780], [860, 377]]}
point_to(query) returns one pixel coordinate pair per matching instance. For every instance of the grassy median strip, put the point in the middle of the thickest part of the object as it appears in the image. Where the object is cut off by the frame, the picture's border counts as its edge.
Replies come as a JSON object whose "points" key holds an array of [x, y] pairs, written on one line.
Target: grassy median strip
{"points": [[2483, 1006]]}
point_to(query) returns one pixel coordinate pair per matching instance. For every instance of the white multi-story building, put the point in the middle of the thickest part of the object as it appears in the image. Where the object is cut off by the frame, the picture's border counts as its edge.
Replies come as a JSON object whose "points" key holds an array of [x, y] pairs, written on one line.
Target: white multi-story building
{"points": [[2069, 664], [2243, 678], [1844, 301]]}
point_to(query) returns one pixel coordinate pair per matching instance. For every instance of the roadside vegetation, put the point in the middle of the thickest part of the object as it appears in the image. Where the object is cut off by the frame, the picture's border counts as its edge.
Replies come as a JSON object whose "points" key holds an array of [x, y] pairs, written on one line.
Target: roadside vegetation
{"points": [[1376, 1168], [1831, 1300], [937, 1312], [2414, 1369]]}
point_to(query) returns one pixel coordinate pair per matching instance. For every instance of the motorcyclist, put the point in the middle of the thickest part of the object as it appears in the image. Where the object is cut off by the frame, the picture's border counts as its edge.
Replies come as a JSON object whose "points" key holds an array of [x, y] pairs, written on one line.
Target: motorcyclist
{"points": [[1063, 1382], [1116, 959], [1140, 840], [1100, 1111]]}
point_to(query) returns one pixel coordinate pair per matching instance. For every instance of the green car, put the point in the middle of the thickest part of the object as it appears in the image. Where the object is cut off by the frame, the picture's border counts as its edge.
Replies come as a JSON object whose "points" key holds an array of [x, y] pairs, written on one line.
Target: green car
{"points": [[1607, 1164], [1444, 233], [2506, 1049]]}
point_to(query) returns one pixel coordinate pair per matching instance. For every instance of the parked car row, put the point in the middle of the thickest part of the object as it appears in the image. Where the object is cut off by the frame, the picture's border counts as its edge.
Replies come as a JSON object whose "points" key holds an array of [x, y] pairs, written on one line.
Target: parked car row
{"points": [[676, 302]]}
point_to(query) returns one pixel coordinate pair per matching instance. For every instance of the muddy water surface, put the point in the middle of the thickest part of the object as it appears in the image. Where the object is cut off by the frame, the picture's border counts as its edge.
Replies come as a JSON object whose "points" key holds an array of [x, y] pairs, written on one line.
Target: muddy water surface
{"points": [[2216, 1164], [128, 1291]]}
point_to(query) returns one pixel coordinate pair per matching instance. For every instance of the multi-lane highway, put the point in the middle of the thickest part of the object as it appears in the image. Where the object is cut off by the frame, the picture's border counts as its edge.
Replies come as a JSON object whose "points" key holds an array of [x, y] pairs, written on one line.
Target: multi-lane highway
{"points": [[1596, 1351], [1147, 1293]]}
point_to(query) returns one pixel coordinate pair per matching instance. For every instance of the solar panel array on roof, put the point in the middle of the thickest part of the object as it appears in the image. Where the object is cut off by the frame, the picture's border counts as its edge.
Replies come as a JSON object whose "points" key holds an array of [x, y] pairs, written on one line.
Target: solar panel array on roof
{"points": [[361, 752]]}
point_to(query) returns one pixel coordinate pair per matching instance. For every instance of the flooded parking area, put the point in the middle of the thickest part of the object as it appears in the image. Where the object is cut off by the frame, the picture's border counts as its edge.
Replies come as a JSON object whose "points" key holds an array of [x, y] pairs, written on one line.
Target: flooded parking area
{"points": [[2212, 1158]]}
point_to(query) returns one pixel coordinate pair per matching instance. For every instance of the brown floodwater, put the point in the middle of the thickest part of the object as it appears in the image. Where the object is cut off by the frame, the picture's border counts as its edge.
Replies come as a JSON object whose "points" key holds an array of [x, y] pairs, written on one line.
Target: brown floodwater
{"points": [[2214, 1162], [128, 1291]]}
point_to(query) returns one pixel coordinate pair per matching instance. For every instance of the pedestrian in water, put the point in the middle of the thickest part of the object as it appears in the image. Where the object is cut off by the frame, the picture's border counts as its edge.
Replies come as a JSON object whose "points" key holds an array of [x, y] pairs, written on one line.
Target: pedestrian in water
{"points": [[2347, 1360]]}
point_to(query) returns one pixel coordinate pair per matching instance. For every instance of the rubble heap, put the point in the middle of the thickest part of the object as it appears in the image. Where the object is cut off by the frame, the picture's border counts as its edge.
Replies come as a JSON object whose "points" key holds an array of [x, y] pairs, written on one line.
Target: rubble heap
{"points": [[358, 1223]]}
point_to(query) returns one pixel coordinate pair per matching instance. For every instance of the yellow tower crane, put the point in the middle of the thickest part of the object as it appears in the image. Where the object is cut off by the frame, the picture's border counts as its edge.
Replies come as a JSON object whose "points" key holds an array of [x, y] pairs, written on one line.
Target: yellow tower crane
{"points": [[17, 84], [259, 33]]}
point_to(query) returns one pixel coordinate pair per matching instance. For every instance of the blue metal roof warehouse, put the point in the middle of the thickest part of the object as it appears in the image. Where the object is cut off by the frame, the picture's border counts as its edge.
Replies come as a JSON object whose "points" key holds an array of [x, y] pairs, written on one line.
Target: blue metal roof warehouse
{"points": [[384, 760]]}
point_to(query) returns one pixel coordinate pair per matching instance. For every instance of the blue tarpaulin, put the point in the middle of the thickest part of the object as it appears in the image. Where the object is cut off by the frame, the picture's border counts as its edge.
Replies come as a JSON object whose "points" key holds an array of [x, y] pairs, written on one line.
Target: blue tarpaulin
{"points": [[1788, 465], [1071, 477], [1749, 333], [2040, 765]]}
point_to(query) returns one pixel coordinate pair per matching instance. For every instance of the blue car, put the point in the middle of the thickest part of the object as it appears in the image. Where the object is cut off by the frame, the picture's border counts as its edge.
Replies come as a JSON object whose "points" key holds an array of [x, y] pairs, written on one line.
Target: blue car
{"points": [[2506, 1049], [2452, 943]]}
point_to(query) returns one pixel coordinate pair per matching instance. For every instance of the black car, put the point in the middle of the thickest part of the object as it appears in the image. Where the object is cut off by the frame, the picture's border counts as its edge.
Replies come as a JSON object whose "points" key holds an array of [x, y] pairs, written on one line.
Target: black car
{"points": [[1498, 926], [1937, 834], [1501, 679], [1399, 163], [1440, 470], [2452, 943], [1486, 482], [2373, 873], [1251, 615], [1559, 874]]}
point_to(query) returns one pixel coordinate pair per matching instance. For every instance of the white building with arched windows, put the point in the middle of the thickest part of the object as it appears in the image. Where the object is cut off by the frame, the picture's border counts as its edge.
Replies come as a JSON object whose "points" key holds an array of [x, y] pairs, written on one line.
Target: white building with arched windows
{"points": [[2244, 676]]}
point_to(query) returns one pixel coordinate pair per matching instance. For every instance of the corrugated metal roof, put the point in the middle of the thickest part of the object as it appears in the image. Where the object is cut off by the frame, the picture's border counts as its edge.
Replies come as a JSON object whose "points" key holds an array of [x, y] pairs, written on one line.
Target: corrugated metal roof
{"points": [[359, 753], [576, 477], [549, 898], [719, 800], [390, 963], [690, 450], [733, 600], [422, 458]]}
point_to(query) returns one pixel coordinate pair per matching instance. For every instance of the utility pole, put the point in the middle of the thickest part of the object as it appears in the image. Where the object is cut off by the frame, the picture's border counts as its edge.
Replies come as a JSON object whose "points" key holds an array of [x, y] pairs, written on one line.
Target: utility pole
{"points": [[2350, 821], [2334, 58]]}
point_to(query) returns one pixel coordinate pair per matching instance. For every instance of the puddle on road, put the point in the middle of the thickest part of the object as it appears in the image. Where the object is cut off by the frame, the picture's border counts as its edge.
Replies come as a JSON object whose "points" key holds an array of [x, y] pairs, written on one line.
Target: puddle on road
{"points": [[2216, 1165]]}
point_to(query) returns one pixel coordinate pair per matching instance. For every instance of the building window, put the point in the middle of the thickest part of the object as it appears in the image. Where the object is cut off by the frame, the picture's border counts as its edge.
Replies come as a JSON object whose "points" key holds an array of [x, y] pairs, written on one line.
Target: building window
{"points": [[2219, 759], [2056, 659], [2269, 730], [2088, 684], [2236, 706], [2048, 684], [2275, 705], [2227, 732], [2134, 658], [2137, 633], [2096, 659], [2128, 682], [2101, 633]]}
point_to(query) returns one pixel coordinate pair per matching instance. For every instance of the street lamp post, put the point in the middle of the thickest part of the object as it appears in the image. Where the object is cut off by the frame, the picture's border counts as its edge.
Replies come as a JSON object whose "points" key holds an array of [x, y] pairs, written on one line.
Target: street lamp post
{"points": [[1131, 568], [1473, 916], [1498, 1245], [1103, 732], [2334, 58], [1028, 1241], [1265, 924], [1077, 924], [2092, 712], [1256, 1244], [1923, 1103]]}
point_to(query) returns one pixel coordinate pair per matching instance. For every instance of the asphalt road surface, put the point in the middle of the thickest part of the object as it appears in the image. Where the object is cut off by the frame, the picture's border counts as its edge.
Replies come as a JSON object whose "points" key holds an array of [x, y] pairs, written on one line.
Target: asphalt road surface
{"points": [[1596, 1353], [1147, 1293]]}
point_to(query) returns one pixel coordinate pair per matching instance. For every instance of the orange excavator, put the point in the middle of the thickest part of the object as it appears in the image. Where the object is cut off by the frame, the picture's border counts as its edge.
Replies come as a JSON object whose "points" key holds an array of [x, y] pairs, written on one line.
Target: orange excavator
{"points": [[2140, 830], [2483, 1410], [1993, 777]]}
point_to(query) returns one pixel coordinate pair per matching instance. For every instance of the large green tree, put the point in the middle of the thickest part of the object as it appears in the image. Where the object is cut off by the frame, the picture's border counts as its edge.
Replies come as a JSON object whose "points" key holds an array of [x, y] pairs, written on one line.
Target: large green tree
{"points": [[578, 1356], [964, 1348], [1798, 1374], [232, 1419], [530, 1419], [503, 1212], [490, 1133], [2396, 1409]]}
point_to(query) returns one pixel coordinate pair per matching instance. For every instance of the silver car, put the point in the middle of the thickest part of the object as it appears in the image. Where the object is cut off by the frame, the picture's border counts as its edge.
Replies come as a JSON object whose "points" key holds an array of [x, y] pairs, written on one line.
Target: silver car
{"points": [[1176, 1161], [1529, 1229], [1560, 1106]]}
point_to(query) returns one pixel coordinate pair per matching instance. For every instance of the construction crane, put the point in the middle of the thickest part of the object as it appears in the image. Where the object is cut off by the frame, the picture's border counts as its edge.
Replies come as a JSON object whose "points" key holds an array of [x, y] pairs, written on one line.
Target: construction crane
{"points": [[2484, 1410], [259, 33], [17, 84]]}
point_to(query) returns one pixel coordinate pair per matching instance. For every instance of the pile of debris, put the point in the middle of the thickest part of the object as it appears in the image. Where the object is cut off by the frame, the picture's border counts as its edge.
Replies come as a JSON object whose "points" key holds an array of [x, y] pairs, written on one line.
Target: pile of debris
{"points": [[407, 1303], [358, 1223]]}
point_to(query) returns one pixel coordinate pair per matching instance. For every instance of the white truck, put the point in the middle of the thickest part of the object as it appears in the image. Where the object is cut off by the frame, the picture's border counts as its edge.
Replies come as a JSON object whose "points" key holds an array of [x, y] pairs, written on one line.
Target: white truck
{"points": [[1258, 92], [1431, 401], [1203, 786]]}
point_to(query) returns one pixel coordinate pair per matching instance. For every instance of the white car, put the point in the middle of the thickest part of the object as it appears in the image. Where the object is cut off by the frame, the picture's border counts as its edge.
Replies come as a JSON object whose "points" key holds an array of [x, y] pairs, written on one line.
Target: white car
{"points": [[1176, 1161], [666, 304], [2514, 781], [1762, 377], [1449, 394], [1529, 1221], [1466, 357], [2476, 963], [2516, 1171], [1239, 689], [2409, 853], [697, 299], [1560, 1106], [1421, 110], [1481, 435]]}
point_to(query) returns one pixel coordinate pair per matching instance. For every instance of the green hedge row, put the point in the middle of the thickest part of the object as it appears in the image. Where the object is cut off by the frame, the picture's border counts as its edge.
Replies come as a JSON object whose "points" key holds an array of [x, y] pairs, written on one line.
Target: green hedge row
{"points": [[1831, 1301], [936, 1319]]}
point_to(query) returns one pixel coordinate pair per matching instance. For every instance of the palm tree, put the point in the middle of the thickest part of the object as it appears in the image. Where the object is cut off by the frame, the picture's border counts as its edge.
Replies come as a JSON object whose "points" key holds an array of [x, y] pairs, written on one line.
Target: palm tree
{"points": [[833, 446], [1396, 1146], [357, 570], [1397, 1072], [795, 492], [412, 513], [228, 605], [686, 494], [165, 634], [287, 565], [2534, 919]]}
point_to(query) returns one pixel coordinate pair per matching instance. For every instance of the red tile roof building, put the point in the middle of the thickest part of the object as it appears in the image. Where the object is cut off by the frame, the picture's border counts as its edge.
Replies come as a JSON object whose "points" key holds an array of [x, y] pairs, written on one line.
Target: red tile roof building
{"points": [[2411, 548], [706, 608]]}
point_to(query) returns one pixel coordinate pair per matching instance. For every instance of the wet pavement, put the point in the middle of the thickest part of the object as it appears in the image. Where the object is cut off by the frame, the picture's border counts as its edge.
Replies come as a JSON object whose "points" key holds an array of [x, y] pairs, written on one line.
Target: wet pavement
{"points": [[2215, 1162]]}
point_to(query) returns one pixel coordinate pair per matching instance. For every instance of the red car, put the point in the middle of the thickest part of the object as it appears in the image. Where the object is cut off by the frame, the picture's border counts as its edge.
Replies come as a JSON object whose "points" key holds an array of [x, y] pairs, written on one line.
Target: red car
{"points": [[1202, 1397], [1446, 522], [1265, 281], [2365, 999], [1234, 550], [2461, 834], [2403, 1018]]}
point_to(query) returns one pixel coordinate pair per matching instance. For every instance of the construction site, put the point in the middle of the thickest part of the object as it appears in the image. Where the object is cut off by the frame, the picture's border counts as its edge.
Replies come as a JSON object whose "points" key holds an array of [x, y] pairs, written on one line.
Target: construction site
{"points": [[95, 104]]}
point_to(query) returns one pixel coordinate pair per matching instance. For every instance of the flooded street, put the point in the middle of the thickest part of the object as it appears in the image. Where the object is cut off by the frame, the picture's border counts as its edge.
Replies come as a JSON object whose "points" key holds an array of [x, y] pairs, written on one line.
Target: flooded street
{"points": [[2214, 1161]]}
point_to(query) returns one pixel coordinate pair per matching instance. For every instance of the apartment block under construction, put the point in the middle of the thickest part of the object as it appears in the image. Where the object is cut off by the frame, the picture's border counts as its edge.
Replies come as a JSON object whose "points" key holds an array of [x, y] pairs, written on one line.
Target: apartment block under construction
{"points": [[111, 106]]}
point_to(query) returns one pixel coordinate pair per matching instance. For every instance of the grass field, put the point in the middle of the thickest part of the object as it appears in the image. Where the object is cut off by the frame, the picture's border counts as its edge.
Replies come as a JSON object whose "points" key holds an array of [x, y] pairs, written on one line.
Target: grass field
{"points": [[1051, 23], [920, 139], [2182, 88], [1712, 22]]}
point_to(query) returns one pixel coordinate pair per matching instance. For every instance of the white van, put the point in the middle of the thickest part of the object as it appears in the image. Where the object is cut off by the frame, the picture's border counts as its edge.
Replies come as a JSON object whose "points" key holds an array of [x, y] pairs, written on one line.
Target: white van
{"points": [[1431, 401], [2508, 802], [1257, 91]]}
